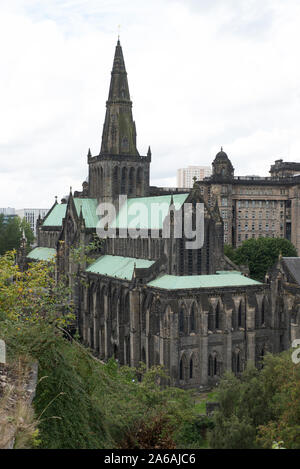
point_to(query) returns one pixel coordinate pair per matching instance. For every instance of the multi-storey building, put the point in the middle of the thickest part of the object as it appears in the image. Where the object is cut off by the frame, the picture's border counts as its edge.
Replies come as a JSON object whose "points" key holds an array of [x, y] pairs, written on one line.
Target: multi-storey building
{"points": [[8, 213], [186, 176], [253, 206], [31, 215]]}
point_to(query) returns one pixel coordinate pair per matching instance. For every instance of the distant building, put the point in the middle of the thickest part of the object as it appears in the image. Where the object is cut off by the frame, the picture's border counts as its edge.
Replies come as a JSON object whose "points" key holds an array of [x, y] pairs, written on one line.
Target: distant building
{"points": [[255, 206], [185, 176], [31, 215], [8, 213]]}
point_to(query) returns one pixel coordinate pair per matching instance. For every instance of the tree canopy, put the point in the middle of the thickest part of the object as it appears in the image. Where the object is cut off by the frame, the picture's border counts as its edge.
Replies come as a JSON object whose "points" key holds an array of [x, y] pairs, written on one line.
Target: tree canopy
{"points": [[260, 254], [11, 230], [81, 402], [260, 408]]}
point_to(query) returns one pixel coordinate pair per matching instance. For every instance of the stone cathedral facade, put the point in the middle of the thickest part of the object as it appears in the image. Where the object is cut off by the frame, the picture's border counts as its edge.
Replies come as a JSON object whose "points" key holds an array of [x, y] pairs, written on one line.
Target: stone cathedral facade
{"points": [[149, 298]]}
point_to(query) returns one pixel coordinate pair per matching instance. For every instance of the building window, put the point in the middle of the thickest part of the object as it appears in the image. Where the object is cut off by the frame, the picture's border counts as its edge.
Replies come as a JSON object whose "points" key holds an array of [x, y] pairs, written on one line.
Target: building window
{"points": [[191, 368], [224, 202], [181, 321]]}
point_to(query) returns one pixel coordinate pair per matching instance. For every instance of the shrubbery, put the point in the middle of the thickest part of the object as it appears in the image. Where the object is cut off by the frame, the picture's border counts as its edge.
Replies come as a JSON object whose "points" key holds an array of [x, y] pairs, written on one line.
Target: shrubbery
{"points": [[80, 402]]}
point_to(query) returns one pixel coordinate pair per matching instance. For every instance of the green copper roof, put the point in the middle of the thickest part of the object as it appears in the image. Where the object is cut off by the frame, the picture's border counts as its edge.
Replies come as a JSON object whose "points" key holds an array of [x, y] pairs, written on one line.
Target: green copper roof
{"points": [[42, 254], [117, 266], [89, 207], [173, 282], [56, 215], [150, 210]]}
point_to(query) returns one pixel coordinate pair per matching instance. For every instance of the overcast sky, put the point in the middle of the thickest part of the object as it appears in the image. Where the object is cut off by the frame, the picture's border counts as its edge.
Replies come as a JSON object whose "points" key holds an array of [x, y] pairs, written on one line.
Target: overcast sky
{"points": [[202, 73]]}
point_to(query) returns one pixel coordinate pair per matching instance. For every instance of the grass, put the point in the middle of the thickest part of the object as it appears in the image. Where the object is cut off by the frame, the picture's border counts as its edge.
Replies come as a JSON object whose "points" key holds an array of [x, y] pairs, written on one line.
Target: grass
{"points": [[201, 399]]}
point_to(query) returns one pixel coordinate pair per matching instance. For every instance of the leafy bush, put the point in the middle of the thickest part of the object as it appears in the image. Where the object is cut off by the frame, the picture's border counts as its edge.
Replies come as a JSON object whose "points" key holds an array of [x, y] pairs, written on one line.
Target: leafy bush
{"points": [[260, 254]]}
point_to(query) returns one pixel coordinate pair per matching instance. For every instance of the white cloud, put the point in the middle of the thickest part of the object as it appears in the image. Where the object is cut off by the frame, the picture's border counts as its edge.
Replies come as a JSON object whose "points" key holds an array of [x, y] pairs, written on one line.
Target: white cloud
{"points": [[201, 74]]}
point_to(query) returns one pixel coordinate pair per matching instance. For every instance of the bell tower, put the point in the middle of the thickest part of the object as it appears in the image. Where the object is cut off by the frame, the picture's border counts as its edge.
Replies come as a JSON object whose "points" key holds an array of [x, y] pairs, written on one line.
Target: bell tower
{"points": [[119, 168]]}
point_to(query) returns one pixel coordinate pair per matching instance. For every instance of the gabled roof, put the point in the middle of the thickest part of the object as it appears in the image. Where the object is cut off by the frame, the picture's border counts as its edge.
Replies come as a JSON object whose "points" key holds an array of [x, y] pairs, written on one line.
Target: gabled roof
{"points": [[293, 266], [151, 210], [117, 266], [230, 279], [56, 215], [41, 254], [89, 207]]}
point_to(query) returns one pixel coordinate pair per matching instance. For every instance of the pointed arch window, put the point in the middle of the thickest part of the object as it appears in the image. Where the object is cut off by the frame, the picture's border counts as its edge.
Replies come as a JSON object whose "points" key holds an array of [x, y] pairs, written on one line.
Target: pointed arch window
{"points": [[181, 320], [181, 370], [124, 180], [191, 368], [215, 366], [210, 366], [210, 318], [263, 311], [240, 313], [192, 319], [218, 317]]}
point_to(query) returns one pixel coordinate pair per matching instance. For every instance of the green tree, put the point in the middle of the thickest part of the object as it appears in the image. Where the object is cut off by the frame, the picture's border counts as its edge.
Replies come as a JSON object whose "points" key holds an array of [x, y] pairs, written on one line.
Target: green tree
{"points": [[11, 233], [261, 254], [260, 408], [80, 402]]}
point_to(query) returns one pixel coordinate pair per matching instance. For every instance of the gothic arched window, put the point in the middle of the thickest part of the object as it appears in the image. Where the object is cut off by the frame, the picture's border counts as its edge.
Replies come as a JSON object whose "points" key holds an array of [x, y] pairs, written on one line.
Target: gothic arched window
{"points": [[181, 320], [240, 312], [210, 366], [181, 370], [192, 319], [191, 368], [218, 317], [123, 180]]}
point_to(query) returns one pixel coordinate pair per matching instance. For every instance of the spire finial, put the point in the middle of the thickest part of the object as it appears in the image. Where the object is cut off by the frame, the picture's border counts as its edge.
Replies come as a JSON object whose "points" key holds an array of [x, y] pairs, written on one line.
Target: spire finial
{"points": [[119, 28], [89, 153], [221, 148]]}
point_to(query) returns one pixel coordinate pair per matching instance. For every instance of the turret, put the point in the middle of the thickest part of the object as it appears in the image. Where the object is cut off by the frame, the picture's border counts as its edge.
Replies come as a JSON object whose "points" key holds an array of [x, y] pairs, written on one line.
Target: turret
{"points": [[222, 166]]}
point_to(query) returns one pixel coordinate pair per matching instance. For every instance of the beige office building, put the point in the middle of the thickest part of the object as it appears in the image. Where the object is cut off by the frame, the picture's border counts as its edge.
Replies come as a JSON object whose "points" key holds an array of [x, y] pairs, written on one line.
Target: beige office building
{"points": [[185, 176], [253, 206]]}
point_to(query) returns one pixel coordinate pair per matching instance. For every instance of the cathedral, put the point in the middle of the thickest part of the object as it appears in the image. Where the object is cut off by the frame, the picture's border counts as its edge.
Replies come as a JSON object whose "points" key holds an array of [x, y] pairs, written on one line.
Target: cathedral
{"points": [[149, 297]]}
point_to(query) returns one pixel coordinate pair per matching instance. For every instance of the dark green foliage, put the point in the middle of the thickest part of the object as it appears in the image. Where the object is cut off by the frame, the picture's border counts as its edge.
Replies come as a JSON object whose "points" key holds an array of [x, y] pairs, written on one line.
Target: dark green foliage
{"points": [[232, 433], [193, 432], [82, 403], [260, 254], [11, 233], [260, 408]]}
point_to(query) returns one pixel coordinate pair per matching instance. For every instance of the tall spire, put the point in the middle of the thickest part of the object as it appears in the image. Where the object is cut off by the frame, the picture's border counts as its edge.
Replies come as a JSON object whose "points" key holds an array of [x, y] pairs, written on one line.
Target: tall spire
{"points": [[119, 133]]}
